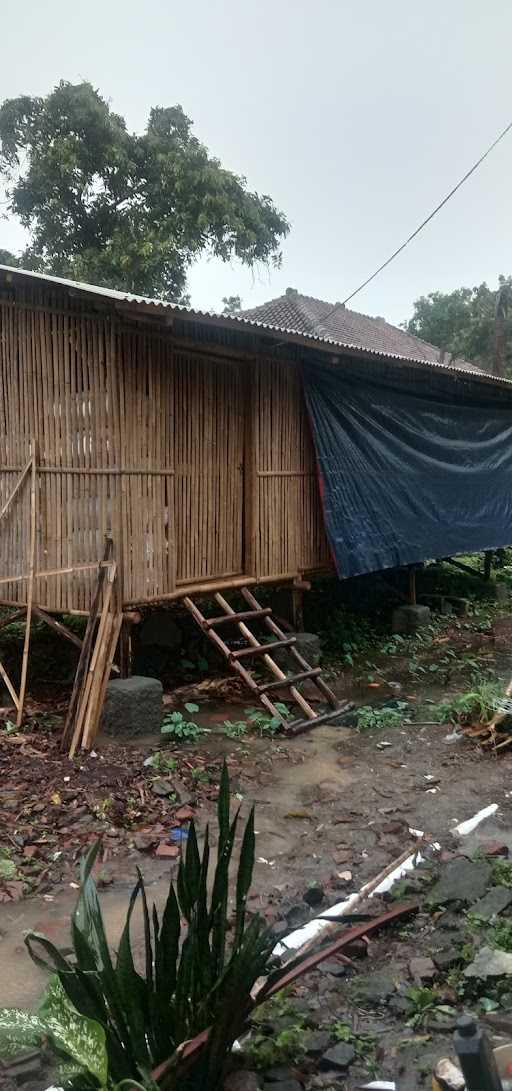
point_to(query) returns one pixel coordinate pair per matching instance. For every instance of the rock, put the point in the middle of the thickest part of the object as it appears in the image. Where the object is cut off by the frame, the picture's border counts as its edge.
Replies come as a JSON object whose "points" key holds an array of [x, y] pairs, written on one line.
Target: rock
{"points": [[307, 645], [159, 628], [145, 841], [375, 990], [133, 706], [494, 848], [242, 1081], [422, 969], [284, 1085], [280, 928], [161, 787], [490, 963], [495, 901], [407, 619], [461, 880], [296, 916], [278, 1074], [314, 895], [318, 1042], [399, 1005], [339, 1056], [333, 967], [167, 852], [444, 960]]}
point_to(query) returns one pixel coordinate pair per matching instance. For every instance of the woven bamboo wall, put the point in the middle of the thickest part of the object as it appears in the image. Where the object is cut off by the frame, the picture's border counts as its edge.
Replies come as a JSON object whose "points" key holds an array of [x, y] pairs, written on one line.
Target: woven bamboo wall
{"points": [[150, 444]]}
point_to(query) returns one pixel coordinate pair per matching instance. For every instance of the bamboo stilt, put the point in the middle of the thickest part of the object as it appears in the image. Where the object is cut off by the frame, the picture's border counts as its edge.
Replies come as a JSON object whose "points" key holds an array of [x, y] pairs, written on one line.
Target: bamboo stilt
{"points": [[30, 585]]}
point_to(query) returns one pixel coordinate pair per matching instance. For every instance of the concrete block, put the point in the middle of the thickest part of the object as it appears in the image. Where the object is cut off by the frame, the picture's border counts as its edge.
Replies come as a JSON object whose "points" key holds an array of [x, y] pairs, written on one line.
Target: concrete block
{"points": [[133, 706], [407, 619], [307, 644]]}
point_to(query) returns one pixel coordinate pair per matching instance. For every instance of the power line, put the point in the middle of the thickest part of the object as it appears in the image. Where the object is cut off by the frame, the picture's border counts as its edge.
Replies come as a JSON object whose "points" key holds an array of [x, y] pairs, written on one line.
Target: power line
{"points": [[425, 222]]}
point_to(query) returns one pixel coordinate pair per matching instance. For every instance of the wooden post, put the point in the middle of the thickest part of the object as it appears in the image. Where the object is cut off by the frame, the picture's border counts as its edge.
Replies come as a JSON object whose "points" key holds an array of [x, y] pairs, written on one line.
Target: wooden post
{"points": [[298, 609], [125, 648], [30, 585], [411, 596], [488, 555]]}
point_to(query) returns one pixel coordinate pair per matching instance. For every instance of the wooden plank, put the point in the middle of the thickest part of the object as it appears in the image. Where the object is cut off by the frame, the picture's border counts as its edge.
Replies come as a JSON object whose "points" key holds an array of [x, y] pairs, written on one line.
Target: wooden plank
{"points": [[85, 654], [81, 724], [107, 670], [30, 585]]}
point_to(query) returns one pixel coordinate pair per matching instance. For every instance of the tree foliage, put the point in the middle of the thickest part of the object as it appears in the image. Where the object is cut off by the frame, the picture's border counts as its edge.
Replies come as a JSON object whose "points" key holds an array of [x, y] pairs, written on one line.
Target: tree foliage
{"points": [[232, 304], [120, 209], [463, 322]]}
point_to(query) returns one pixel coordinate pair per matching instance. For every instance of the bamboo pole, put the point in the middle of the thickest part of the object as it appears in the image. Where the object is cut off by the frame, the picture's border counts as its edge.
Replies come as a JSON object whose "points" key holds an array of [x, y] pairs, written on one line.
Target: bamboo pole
{"points": [[30, 586], [16, 488]]}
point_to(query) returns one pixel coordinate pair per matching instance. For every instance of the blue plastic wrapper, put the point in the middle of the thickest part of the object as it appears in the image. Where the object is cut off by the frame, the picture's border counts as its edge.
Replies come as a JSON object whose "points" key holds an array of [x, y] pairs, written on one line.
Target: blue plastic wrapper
{"points": [[178, 835]]}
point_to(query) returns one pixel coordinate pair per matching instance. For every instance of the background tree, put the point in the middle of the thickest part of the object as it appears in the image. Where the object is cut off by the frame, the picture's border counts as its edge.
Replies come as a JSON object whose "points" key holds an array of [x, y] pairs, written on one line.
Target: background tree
{"points": [[122, 210], [475, 323], [232, 304]]}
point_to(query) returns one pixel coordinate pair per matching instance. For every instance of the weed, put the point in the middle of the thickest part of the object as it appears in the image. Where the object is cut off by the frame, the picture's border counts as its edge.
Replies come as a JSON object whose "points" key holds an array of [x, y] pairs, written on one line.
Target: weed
{"points": [[369, 719], [175, 725], [9, 727], [161, 762], [267, 1048], [474, 706], [424, 1003], [502, 873], [363, 1044], [103, 808], [263, 722], [234, 729], [199, 664], [501, 935], [8, 869], [200, 774]]}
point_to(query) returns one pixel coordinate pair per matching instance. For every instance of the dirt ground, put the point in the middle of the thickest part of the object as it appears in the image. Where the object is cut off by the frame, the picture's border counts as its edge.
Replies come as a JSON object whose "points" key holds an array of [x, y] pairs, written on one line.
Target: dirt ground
{"points": [[333, 807]]}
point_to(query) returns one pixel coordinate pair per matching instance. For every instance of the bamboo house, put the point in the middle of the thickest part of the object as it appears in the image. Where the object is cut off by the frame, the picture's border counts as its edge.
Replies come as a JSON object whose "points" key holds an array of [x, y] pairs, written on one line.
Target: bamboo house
{"points": [[197, 442]]}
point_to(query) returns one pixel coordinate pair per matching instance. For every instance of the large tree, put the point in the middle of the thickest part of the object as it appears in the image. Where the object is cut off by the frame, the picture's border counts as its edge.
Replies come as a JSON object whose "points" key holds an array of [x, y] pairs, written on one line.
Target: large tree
{"points": [[475, 323], [119, 209]]}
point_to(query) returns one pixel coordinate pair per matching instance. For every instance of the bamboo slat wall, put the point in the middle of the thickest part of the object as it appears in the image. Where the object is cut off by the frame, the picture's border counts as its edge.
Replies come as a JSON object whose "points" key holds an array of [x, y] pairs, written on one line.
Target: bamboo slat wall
{"points": [[290, 527], [150, 444]]}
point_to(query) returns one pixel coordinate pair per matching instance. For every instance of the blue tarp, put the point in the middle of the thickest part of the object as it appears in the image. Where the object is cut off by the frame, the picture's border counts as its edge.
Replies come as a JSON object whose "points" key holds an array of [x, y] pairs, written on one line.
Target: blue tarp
{"points": [[413, 464]]}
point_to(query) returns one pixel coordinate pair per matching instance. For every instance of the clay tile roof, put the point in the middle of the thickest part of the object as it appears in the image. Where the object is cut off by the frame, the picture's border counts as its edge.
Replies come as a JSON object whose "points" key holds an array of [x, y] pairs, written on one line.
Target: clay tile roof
{"points": [[303, 314]]}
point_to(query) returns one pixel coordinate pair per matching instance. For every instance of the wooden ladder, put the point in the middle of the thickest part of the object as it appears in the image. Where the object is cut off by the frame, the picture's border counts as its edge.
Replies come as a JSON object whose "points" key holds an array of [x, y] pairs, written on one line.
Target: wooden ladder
{"points": [[264, 652]]}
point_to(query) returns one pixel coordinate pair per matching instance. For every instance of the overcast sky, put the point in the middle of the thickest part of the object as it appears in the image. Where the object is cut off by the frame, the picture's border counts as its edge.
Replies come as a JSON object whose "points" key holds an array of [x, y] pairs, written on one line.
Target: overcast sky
{"points": [[356, 116]]}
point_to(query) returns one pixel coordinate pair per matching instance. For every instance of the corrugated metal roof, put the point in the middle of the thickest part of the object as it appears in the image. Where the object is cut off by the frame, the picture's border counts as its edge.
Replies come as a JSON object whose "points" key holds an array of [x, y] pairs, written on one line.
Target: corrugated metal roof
{"points": [[250, 322]]}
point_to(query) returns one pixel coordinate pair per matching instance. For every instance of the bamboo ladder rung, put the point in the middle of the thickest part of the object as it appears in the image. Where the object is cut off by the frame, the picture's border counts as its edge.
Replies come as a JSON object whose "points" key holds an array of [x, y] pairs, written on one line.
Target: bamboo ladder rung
{"points": [[269, 663], [263, 649], [242, 615], [291, 680], [299, 659]]}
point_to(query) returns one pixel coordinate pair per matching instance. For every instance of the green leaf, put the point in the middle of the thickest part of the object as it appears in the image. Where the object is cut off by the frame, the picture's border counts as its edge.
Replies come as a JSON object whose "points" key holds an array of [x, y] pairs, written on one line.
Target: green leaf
{"points": [[191, 707], [19, 1030], [82, 1039], [244, 877]]}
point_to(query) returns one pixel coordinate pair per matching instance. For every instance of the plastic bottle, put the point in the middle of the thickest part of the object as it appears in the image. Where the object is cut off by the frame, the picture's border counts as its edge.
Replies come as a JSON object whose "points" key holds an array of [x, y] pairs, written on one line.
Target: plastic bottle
{"points": [[475, 1055]]}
